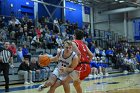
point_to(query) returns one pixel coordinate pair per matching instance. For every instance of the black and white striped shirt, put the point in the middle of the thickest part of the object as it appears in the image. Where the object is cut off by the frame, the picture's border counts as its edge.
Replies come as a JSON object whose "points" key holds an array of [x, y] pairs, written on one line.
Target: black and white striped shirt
{"points": [[5, 55]]}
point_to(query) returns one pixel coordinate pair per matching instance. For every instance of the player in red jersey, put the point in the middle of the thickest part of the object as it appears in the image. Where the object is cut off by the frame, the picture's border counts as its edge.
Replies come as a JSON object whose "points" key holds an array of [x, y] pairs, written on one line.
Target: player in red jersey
{"points": [[83, 69]]}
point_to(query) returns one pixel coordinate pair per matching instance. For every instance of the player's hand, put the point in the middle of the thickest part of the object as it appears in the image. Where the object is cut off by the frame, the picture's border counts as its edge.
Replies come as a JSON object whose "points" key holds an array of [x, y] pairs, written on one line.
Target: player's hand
{"points": [[63, 69]]}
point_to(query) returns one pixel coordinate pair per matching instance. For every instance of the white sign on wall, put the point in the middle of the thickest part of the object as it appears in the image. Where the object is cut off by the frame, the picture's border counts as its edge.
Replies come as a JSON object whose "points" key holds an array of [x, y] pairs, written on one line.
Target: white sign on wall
{"points": [[86, 14]]}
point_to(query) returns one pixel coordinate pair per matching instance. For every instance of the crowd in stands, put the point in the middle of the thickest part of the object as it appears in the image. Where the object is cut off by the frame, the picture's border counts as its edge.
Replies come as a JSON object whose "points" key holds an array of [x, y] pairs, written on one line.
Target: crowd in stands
{"points": [[24, 35]]}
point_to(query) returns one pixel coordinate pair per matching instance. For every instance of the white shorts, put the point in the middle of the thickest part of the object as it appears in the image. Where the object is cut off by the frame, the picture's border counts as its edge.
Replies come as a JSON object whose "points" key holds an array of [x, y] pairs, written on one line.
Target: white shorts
{"points": [[59, 74], [75, 75]]}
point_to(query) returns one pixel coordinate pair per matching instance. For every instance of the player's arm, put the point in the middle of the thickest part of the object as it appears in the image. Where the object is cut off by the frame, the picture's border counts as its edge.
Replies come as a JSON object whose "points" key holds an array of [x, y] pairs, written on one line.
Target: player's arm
{"points": [[72, 66], [75, 49], [89, 54], [55, 58]]}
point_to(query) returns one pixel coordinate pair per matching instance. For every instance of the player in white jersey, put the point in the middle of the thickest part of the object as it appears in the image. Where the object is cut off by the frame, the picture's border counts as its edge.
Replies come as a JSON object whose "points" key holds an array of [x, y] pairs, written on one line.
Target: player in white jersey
{"points": [[67, 61]]}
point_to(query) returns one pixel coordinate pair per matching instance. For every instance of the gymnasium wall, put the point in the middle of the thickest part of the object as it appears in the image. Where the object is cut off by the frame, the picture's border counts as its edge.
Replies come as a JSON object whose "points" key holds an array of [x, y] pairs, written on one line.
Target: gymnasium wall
{"points": [[134, 24], [74, 16], [117, 23], [17, 7], [20, 7]]}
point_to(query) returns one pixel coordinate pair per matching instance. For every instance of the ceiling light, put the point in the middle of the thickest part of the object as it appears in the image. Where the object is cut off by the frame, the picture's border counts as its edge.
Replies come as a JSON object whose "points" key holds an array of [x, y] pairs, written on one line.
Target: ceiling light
{"points": [[27, 3], [121, 1]]}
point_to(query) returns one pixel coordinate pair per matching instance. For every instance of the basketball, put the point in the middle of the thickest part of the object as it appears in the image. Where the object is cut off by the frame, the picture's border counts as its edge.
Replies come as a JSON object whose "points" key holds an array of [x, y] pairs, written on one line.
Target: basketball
{"points": [[44, 60]]}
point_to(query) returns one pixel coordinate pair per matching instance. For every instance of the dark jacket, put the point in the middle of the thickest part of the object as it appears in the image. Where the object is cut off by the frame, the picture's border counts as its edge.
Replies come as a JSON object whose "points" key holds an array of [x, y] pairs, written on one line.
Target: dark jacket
{"points": [[24, 66]]}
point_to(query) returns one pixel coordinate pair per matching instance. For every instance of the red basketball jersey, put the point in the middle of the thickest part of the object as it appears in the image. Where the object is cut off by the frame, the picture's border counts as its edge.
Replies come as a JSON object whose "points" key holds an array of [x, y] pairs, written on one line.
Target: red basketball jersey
{"points": [[83, 50]]}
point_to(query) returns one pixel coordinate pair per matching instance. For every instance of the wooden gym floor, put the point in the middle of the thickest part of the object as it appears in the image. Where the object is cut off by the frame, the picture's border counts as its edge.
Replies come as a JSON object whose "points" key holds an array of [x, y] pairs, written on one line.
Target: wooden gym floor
{"points": [[114, 83]]}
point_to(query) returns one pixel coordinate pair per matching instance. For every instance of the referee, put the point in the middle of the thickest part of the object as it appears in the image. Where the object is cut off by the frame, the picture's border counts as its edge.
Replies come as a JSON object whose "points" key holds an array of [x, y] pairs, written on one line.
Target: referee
{"points": [[5, 58]]}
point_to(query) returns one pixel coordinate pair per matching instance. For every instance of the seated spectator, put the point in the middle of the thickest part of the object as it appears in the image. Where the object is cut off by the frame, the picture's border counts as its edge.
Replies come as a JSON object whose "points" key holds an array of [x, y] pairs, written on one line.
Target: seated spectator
{"points": [[94, 68], [13, 49], [36, 42], [59, 41], [35, 69], [104, 65], [97, 51], [126, 64], [109, 55], [25, 52], [45, 72], [100, 69], [89, 41], [92, 49], [138, 60], [24, 69], [14, 21], [12, 35], [133, 63], [38, 32], [19, 55], [20, 34]]}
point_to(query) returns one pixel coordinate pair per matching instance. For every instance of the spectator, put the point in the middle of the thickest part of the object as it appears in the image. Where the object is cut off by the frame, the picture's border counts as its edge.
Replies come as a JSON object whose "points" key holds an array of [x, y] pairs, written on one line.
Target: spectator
{"points": [[13, 49], [35, 70], [38, 32], [92, 48], [19, 55], [59, 41], [109, 55], [25, 52], [24, 69], [36, 41], [138, 59]]}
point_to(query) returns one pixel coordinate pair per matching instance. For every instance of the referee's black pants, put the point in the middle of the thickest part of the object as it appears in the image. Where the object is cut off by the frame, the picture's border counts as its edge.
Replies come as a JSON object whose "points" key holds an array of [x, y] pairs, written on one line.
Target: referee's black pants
{"points": [[5, 68]]}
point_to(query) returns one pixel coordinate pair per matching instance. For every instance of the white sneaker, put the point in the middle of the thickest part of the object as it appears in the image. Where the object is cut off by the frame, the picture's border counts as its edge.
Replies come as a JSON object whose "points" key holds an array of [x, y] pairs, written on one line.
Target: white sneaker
{"points": [[94, 76], [137, 70], [101, 74], [125, 72], [90, 76], [41, 87], [31, 82], [106, 74], [26, 83], [98, 76]]}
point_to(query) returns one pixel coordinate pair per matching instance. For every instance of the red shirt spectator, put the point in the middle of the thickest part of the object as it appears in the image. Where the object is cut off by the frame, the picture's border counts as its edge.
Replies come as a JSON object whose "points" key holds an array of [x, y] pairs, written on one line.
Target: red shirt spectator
{"points": [[12, 48], [38, 32]]}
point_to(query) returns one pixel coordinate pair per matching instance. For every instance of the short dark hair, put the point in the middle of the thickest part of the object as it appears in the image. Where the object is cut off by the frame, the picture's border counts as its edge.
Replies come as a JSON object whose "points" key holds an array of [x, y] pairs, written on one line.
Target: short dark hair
{"points": [[79, 34]]}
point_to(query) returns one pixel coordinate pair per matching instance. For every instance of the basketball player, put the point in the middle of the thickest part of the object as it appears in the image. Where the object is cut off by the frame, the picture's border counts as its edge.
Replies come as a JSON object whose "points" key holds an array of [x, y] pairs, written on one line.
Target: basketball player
{"points": [[67, 61], [83, 68]]}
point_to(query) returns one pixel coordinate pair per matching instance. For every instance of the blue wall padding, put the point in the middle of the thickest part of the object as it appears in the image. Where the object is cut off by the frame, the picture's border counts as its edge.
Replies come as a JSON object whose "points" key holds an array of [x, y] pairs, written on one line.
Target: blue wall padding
{"points": [[74, 16]]}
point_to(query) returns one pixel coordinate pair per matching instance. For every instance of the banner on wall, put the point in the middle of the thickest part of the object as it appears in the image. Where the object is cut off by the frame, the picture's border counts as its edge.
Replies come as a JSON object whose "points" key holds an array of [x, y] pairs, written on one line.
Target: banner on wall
{"points": [[86, 14], [136, 25], [87, 10]]}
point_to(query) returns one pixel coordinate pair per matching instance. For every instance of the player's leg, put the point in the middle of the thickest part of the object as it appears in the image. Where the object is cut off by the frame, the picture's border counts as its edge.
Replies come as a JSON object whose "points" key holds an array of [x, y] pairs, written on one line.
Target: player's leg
{"points": [[52, 79], [53, 87], [77, 85]]}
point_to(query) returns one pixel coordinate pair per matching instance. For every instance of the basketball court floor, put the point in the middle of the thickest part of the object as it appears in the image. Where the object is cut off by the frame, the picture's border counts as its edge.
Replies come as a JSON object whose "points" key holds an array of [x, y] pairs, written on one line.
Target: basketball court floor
{"points": [[115, 83]]}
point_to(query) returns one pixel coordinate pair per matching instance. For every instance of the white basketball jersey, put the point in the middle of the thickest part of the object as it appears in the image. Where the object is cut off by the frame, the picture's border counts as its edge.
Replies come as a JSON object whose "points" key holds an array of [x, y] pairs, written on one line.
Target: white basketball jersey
{"points": [[65, 61]]}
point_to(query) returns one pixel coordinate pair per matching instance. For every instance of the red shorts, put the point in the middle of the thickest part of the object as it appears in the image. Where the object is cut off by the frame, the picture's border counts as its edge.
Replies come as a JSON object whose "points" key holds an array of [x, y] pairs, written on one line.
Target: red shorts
{"points": [[84, 70]]}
